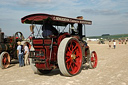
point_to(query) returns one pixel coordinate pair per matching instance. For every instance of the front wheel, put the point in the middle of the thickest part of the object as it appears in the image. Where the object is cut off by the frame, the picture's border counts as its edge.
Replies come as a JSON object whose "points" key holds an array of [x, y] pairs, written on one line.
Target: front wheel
{"points": [[32, 64], [69, 57], [93, 60], [4, 60], [38, 71]]}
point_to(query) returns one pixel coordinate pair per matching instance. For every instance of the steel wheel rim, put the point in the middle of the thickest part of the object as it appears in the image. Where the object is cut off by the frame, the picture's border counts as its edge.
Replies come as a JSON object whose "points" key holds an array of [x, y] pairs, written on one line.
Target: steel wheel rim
{"points": [[73, 57], [6, 60], [94, 59]]}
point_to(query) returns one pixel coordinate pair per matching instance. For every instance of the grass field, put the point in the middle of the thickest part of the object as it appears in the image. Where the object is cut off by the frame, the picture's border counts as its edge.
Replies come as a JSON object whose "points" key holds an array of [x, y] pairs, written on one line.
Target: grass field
{"points": [[121, 36]]}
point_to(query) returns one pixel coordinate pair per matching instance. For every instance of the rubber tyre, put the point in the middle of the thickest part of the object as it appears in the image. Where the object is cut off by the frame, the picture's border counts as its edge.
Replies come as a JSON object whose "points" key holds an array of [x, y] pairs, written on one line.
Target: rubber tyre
{"points": [[68, 65], [4, 60]]}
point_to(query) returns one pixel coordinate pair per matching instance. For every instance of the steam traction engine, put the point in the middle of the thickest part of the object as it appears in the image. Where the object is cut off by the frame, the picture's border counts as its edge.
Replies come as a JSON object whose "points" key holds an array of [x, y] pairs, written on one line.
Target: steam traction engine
{"points": [[67, 51], [8, 48]]}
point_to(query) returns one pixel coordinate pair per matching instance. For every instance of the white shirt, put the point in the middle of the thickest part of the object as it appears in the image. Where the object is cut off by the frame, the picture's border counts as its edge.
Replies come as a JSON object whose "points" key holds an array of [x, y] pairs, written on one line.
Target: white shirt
{"points": [[114, 43], [26, 49], [19, 49]]}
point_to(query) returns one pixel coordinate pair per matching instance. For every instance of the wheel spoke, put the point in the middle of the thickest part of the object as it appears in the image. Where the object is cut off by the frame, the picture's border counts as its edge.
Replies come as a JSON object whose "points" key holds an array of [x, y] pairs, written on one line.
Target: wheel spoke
{"points": [[93, 55], [69, 65], [77, 54], [68, 53], [70, 45], [92, 59], [69, 49], [75, 64], [76, 46], [76, 50], [67, 60], [67, 57], [71, 68], [74, 67], [92, 63]]}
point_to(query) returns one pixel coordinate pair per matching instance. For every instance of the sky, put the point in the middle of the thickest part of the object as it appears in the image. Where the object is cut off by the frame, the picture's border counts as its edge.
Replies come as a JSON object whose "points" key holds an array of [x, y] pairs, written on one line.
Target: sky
{"points": [[107, 16]]}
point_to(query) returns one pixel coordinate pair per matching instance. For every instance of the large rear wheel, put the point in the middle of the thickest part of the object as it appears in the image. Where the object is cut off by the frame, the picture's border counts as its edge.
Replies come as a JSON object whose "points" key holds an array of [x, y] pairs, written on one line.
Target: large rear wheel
{"points": [[69, 57], [4, 60], [19, 35]]}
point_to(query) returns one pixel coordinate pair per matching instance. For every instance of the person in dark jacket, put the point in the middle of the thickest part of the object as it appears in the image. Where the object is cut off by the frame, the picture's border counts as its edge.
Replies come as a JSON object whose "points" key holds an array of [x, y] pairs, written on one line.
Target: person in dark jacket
{"points": [[48, 29]]}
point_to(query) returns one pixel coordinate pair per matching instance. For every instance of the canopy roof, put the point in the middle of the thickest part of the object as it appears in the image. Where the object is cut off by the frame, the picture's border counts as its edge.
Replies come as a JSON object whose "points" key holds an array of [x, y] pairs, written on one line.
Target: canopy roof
{"points": [[55, 20]]}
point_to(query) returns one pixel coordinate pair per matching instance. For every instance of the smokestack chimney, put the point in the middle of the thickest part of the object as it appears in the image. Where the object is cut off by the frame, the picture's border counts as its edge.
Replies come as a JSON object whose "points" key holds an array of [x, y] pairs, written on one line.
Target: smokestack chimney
{"points": [[80, 17]]}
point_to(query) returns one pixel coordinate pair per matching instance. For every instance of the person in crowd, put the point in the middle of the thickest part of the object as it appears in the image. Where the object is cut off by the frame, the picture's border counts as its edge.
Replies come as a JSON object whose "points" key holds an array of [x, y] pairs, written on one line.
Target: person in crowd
{"points": [[20, 54], [114, 44], [26, 54], [109, 44], [125, 42]]}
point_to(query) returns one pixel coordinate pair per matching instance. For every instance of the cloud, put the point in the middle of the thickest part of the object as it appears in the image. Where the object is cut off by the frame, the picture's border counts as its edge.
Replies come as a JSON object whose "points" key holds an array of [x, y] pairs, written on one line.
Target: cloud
{"points": [[104, 13], [33, 2], [40, 3], [126, 14], [100, 12]]}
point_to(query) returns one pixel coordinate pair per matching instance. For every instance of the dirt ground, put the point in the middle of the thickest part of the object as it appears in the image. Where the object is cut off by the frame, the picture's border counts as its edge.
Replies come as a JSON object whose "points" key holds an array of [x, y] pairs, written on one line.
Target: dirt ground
{"points": [[112, 69]]}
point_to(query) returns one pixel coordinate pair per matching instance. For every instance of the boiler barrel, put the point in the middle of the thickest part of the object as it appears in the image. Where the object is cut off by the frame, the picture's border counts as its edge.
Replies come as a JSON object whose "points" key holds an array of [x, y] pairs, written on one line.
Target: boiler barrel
{"points": [[5, 47]]}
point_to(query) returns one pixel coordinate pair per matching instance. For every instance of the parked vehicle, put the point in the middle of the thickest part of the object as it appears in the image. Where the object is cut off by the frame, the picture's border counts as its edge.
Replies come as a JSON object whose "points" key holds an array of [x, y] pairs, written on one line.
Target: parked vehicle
{"points": [[65, 49], [8, 48]]}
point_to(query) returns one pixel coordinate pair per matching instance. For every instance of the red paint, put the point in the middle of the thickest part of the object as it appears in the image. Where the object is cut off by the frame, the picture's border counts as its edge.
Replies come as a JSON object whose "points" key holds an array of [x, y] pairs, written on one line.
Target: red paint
{"points": [[42, 17], [61, 37], [73, 64], [41, 45]]}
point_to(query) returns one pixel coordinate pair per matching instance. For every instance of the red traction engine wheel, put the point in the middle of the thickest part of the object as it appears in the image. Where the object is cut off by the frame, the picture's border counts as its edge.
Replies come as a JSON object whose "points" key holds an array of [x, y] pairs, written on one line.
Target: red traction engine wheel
{"points": [[4, 60], [69, 56], [93, 60]]}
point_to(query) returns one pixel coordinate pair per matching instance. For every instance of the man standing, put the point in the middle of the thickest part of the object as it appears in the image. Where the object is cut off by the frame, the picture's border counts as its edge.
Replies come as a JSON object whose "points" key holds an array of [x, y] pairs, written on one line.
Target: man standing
{"points": [[114, 44], [20, 54], [26, 52], [109, 43]]}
